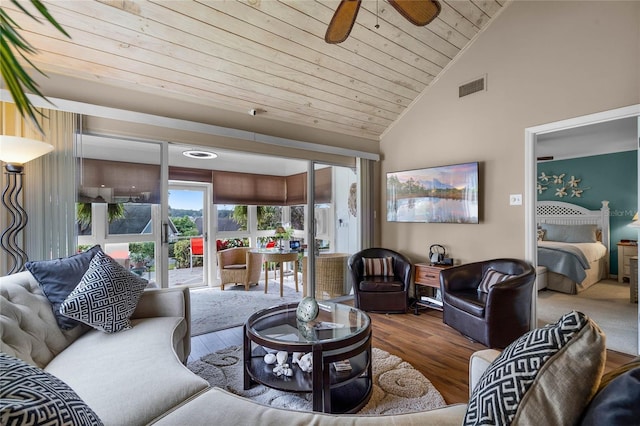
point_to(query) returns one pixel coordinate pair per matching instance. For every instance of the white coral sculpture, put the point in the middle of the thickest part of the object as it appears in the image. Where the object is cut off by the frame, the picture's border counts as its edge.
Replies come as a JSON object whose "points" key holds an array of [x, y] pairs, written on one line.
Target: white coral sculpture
{"points": [[306, 363]]}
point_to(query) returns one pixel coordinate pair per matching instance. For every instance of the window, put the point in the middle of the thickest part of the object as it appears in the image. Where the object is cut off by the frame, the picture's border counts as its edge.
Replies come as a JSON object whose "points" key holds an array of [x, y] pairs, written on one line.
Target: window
{"points": [[232, 218], [269, 217]]}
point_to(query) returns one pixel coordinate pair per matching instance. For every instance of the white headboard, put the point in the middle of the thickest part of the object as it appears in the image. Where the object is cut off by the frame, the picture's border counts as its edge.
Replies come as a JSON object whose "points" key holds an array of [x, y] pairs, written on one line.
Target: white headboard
{"points": [[561, 213]]}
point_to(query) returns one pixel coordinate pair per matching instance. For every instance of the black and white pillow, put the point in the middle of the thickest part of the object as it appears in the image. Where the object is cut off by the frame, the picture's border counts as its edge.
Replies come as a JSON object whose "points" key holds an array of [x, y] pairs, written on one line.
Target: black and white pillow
{"points": [[106, 296], [31, 396], [547, 376], [491, 278]]}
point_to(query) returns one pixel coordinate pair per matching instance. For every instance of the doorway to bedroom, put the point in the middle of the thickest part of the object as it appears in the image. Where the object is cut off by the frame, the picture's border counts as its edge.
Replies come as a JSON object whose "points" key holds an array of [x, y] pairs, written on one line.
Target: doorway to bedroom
{"points": [[583, 162]]}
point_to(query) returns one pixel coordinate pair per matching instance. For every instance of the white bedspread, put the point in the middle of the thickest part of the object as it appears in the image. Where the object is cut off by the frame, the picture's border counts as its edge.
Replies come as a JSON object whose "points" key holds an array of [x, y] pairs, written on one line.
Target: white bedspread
{"points": [[592, 251]]}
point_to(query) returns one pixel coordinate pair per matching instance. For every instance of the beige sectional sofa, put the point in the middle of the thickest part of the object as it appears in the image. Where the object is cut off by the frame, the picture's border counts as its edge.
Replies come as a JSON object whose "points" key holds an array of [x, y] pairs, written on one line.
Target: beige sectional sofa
{"points": [[130, 377], [137, 376]]}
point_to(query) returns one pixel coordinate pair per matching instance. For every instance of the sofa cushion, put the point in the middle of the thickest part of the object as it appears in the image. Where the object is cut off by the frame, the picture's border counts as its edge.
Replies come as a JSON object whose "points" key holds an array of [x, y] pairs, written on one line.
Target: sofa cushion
{"points": [[29, 395], [380, 266], [470, 301], [28, 328], [133, 377], [106, 296], [381, 284], [58, 278], [221, 408], [490, 278], [547, 376]]}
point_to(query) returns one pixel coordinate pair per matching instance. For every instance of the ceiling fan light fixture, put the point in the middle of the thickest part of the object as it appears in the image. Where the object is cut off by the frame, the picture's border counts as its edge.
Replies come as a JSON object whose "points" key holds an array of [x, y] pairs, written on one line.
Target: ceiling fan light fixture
{"points": [[200, 154]]}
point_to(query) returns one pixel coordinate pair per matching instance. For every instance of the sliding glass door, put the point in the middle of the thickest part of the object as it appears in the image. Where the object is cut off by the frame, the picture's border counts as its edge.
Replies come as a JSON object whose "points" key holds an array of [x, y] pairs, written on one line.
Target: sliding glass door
{"points": [[336, 226], [119, 202], [189, 252]]}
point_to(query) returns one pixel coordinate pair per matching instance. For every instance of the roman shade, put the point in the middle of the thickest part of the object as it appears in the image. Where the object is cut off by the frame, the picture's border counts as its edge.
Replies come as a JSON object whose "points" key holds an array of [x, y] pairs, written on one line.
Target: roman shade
{"points": [[248, 188], [266, 190], [117, 181]]}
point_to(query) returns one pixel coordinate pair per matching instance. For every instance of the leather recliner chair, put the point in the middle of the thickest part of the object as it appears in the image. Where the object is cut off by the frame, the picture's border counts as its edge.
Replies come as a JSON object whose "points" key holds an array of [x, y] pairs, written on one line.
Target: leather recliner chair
{"points": [[495, 318], [388, 294]]}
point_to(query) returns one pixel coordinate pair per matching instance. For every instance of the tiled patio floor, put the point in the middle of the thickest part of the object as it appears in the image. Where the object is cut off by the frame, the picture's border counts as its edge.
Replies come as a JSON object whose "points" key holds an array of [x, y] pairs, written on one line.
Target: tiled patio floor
{"points": [[194, 277]]}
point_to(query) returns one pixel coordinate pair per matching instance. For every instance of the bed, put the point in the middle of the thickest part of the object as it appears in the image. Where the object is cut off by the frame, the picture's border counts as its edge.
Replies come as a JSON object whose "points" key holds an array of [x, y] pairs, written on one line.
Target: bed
{"points": [[573, 244]]}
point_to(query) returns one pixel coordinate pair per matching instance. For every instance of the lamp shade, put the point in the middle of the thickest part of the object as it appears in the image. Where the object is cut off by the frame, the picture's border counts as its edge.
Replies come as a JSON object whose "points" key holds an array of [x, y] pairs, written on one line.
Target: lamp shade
{"points": [[18, 150], [635, 217]]}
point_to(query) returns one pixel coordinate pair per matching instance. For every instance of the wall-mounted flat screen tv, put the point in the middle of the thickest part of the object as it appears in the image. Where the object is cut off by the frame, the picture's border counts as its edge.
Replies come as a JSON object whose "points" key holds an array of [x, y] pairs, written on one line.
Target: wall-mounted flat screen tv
{"points": [[445, 194]]}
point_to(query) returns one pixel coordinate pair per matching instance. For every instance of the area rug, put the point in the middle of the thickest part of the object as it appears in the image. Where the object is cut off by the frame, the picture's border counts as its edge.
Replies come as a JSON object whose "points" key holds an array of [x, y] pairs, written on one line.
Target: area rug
{"points": [[607, 303], [213, 309], [397, 386]]}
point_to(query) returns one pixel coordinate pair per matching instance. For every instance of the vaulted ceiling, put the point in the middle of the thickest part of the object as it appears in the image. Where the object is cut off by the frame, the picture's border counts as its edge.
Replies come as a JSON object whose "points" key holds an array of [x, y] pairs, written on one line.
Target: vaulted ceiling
{"points": [[266, 55]]}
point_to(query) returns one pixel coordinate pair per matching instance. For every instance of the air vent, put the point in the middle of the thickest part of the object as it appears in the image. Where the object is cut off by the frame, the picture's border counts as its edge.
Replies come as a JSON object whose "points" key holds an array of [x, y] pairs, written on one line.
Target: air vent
{"points": [[474, 86]]}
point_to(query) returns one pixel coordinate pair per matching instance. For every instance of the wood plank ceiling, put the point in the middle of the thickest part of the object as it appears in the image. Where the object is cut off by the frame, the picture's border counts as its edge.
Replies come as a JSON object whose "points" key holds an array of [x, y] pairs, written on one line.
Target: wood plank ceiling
{"points": [[261, 54]]}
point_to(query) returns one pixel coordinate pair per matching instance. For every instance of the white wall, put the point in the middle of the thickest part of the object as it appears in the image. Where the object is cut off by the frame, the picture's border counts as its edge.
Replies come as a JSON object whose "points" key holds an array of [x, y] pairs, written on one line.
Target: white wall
{"points": [[545, 61], [346, 225]]}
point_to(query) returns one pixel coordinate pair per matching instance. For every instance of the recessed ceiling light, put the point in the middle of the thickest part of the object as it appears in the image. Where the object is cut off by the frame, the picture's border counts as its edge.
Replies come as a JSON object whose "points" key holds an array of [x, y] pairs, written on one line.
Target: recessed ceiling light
{"points": [[199, 155]]}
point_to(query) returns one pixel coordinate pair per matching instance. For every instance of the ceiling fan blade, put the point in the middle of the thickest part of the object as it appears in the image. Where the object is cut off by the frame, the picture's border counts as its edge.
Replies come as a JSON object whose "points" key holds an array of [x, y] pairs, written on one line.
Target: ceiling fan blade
{"points": [[418, 12], [342, 21]]}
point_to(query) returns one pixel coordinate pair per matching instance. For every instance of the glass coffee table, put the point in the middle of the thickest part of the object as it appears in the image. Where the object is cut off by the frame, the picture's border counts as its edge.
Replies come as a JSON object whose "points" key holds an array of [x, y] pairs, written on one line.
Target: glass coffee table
{"points": [[339, 333]]}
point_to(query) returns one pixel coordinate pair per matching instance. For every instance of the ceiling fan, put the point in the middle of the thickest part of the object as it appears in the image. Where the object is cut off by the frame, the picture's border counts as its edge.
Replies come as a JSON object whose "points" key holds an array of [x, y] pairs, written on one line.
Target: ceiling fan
{"points": [[418, 12]]}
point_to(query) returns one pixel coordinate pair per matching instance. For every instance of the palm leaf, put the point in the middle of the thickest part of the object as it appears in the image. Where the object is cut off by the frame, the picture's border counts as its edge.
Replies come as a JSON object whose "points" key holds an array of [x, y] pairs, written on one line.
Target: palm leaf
{"points": [[12, 71]]}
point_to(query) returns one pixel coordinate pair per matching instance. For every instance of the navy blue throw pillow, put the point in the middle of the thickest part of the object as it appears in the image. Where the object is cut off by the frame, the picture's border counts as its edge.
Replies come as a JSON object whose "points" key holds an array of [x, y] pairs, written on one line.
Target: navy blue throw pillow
{"points": [[59, 277], [616, 404]]}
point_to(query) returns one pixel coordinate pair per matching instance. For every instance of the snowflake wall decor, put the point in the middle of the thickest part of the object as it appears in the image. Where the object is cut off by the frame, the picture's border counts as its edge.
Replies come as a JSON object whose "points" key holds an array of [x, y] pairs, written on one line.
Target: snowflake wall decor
{"points": [[563, 188]]}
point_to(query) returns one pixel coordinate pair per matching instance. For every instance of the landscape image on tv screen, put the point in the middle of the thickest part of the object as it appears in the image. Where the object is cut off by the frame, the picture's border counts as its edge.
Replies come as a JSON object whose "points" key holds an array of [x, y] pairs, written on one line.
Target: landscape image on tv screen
{"points": [[446, 194]]}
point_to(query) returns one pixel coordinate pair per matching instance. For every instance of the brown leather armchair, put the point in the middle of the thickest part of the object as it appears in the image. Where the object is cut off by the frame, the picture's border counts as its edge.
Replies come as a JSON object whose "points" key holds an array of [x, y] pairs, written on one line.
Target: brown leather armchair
{"points": [[388, 294], [495, 318]]}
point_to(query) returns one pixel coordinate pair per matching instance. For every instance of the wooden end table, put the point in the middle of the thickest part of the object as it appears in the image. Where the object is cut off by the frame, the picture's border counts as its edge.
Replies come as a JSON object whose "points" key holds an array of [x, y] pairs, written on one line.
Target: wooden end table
{"points": [[427, 275], [339, 333]]}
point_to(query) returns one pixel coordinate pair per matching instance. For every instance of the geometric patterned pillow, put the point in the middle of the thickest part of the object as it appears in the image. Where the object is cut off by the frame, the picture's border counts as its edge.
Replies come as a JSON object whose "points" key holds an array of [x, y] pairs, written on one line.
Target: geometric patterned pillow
{"points": [[547, 376], [378, 266], [492, 278], [30, 396], [106, 296]]}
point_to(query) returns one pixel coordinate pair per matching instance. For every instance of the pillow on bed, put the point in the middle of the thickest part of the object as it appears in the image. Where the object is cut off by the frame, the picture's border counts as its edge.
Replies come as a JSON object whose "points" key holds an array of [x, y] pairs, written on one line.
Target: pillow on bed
{"points": [[570, 233]]}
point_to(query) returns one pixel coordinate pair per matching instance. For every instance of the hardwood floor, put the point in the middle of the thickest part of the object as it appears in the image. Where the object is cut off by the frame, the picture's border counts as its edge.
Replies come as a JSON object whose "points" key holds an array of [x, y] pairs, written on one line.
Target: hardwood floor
{"points": [[435, 349]]}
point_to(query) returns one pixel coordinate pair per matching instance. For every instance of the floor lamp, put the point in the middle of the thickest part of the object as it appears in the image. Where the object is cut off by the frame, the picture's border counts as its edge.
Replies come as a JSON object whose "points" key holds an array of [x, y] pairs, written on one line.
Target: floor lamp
{"points": [[15, 151]]}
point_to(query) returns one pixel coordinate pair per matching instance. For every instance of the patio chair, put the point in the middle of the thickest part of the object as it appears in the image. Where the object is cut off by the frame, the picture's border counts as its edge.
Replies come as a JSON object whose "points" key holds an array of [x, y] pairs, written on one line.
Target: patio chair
{"points": [[118, 252], [331, 276], [196, 249], [239, 265]]}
